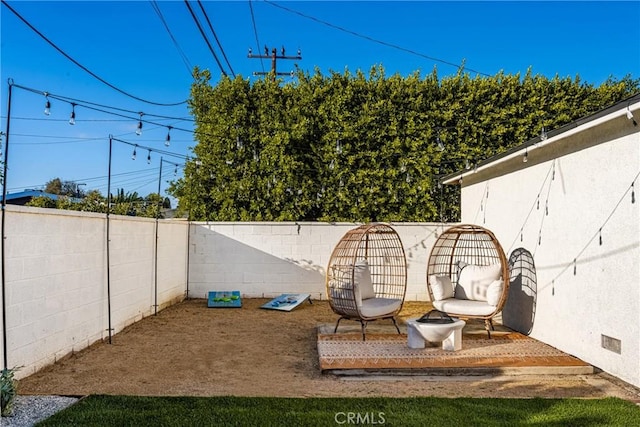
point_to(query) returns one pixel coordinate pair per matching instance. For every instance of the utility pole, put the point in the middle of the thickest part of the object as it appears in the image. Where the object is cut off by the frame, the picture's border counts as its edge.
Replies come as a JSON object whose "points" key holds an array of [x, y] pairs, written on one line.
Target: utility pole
{"points": [[274, 58]]}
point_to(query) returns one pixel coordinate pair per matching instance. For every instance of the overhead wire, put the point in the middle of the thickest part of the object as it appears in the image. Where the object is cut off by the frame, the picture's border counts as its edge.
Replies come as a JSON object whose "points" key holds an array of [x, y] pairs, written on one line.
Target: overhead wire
{"points": [[91, 73], [206, 16], [255, 31], [204, 36], [374, 40], [185, 60]]}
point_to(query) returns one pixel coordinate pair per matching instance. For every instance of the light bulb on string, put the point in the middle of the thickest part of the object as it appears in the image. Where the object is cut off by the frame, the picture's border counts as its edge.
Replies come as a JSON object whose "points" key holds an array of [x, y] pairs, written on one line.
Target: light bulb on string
{"points": [[467, 165], [543, 134], [525, 158], [47, 105], [139, 128], [167, 140], [630, 116], [440, 144], [149, 158], [575, 267], [175, 171], [633, 193], [600, 236], [134, 154], [72, 119]]}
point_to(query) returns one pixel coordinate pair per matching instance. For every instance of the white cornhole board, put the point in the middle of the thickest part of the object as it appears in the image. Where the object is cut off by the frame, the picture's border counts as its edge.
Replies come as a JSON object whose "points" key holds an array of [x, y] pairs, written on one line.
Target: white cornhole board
{"points": [[287, 302]]}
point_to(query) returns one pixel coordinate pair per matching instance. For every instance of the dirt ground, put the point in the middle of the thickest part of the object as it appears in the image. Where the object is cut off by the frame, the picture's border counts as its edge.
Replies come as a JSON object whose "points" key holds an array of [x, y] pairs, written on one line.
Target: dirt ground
{"points": [[189, 349]]}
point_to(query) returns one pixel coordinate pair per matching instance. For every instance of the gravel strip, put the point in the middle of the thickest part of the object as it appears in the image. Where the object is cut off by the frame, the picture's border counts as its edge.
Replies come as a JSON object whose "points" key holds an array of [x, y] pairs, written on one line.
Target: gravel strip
{"points": [[28, 410]]}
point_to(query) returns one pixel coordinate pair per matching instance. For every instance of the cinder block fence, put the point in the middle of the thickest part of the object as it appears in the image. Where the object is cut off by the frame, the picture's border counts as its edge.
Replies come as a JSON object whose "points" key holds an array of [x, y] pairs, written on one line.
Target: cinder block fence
{"points": [[60, 297]]}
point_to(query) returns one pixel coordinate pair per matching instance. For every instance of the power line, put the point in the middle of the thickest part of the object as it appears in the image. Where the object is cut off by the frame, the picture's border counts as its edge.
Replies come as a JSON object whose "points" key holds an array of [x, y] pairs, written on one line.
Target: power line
{"points": [[204, 12], [156, 8], [255, 31], [85, 68], [371, 39], [204, 36]]}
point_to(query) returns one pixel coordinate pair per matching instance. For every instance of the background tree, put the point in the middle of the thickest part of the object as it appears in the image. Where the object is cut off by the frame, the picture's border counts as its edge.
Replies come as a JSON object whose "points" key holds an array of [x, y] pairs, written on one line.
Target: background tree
{"points": [[63, 188], [356, 147]]}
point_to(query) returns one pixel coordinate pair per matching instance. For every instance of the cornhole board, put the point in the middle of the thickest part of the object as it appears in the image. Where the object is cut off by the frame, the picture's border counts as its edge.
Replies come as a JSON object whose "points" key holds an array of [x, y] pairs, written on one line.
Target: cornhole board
{"points": [[287, 302], [224, 299]]}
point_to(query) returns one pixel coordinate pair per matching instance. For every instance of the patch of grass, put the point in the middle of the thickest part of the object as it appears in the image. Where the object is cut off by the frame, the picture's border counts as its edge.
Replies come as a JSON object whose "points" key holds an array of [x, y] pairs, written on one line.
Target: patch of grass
{"points": [[270, 411]]}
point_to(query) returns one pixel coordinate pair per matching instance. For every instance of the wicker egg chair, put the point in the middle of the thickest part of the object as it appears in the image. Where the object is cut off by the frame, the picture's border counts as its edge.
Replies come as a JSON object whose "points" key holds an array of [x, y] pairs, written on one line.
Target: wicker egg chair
{"points": [[468, 274], [367, 275]]}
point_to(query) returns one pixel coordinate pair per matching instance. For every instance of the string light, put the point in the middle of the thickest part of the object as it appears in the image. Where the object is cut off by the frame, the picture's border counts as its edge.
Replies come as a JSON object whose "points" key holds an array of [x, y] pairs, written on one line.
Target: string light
{"points": [[575, 267], [630, 116], [139, 128], [72, 119], [149, 158], [338, 146], [600, 236], [633, 193], [440, 144], [175, 171], [134, 154], [167, 140], [543, 134], [467, 165], [47, 105], [525, 158]]}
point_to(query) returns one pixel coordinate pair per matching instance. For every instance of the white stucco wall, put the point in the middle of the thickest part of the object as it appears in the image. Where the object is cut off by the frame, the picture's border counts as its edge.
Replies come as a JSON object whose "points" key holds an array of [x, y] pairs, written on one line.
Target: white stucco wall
{"points": [[265, 259], [56, 279], [584, 181]]}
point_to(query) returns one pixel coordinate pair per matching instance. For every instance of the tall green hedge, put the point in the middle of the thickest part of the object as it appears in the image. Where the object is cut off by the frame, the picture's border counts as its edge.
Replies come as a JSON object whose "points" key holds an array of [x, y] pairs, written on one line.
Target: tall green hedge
{"points": [[356, 147]]}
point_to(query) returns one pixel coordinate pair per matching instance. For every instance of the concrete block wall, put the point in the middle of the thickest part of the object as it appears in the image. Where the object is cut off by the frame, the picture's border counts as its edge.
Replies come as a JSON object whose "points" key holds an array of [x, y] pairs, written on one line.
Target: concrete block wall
{"points": [[266, 259], [56, 279]]}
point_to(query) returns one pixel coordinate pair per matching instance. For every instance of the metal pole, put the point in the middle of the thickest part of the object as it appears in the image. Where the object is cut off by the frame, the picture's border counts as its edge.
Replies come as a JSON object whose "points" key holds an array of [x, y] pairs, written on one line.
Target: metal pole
{"points": [[3, 236], [109, 238], [155, 304]]}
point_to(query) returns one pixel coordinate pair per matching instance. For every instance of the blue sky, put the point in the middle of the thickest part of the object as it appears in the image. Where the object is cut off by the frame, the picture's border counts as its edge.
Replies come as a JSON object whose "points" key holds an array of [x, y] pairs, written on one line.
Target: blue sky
{"points": [[126, 44]]}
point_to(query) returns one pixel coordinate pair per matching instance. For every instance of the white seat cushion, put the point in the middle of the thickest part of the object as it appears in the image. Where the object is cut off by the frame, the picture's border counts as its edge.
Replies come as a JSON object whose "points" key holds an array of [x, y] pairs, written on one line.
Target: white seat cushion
{"points": [[378, 307], [461, 307], [494, 292], [441, 287], [474, 280], [362, 281]]}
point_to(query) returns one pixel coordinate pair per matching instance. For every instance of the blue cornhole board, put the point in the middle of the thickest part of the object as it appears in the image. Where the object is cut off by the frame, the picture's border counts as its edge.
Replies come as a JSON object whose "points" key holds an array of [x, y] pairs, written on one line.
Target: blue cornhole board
{"points": [[224, 299], [287, 302]]}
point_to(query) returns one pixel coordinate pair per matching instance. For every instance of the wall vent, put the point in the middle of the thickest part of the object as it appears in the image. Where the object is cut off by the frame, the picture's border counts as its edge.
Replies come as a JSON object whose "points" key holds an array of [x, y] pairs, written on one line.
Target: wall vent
{"points": [[611, 344]]}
